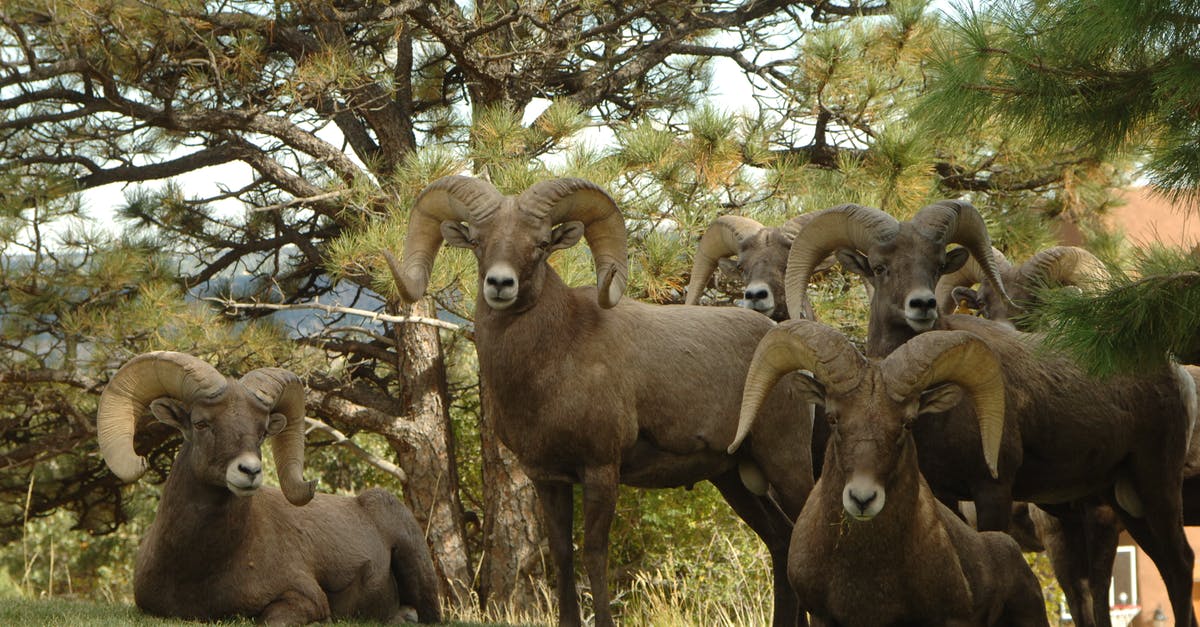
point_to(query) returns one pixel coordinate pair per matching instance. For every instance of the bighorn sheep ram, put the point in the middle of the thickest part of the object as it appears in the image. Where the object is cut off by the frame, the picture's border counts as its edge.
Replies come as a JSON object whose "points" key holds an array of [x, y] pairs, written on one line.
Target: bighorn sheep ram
{"points": [[586, 389], [762, 258], [1081, 540], [1067, 435], [872, 545], [1057, 266], [223, 545]]}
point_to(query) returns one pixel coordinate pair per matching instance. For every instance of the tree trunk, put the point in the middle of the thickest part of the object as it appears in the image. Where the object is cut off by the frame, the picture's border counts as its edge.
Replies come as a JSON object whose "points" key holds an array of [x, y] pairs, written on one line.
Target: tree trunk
{"points": [[427, 455], [514, 540]]}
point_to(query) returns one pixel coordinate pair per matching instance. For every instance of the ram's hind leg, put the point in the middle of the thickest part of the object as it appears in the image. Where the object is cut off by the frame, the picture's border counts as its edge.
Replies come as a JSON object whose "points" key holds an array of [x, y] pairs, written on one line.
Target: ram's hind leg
{"points": [[770, 524], [1159, 532], [558, 510], [297, 607], [410, 563]]}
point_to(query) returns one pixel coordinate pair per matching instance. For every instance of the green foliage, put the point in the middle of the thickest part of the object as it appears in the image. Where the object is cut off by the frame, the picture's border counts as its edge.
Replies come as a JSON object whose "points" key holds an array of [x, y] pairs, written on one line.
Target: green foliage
{"points": [[1108, 75], [1136, 323]]}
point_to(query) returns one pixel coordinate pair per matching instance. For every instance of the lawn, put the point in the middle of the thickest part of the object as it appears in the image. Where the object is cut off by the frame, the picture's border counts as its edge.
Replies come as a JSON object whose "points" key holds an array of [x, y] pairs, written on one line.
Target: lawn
{"points": [[73, 613]]}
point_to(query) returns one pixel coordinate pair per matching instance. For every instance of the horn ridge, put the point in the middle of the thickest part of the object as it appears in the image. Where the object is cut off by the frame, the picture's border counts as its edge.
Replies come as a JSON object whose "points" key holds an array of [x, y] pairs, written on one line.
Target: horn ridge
{"points": [[797, 345], [959, 222], [574, 199], [456, 197], [1063, 265], [285, 394]]}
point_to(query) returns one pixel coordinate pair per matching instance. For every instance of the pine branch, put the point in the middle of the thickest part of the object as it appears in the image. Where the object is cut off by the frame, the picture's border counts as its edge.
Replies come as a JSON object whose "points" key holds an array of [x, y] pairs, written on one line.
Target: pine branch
{"points": [[1133, 326], [340, 439]]}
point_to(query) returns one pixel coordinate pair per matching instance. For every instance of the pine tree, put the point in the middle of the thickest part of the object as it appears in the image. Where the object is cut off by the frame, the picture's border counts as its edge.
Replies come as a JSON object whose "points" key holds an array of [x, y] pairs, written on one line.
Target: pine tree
{"points": [[1110, 78]]}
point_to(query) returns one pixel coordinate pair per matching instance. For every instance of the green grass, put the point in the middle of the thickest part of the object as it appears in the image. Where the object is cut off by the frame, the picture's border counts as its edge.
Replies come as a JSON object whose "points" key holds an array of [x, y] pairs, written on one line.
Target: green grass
{"points": [[67, 612]]}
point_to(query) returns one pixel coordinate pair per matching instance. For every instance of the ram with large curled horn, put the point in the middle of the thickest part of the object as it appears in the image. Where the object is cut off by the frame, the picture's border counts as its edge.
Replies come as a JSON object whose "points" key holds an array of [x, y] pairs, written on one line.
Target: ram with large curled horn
{"points": [[1057, 266], [1116, 448], [761, 252], [222, 545], [902, 261], [585, 389], [1083, 569], [851, 557]]}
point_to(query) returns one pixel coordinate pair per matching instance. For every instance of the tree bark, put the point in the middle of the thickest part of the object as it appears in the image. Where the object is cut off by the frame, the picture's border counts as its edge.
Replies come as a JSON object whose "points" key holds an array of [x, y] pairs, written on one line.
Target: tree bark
{"points": [[514, 540], [427, 455]]}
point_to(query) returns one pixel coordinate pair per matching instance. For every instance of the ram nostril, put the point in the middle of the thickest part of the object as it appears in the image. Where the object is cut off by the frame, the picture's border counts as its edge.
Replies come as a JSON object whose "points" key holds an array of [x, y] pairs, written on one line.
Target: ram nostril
{"points": [[250, 470], [863, 502], [501, 282], [757, 294], [922, 303]]}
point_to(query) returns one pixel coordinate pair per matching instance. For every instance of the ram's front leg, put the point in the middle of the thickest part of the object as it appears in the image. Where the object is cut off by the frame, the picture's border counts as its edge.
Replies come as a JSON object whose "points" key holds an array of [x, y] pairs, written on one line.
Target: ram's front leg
{"points": [[558, 510], [599, 504], [297, 607]]}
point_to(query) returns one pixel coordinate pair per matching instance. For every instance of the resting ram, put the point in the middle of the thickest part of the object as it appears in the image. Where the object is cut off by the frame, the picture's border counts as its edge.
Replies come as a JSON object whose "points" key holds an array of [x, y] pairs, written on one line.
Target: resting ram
{"points": [[762, 258], [585, 389], [1068, 436], [872, 545], [222, 544]]}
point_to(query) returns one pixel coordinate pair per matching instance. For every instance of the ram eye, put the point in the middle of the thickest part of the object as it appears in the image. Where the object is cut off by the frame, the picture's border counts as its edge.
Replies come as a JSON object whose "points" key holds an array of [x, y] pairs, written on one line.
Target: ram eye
{"points": [[200, 425], [544, 245], [879, 269]]}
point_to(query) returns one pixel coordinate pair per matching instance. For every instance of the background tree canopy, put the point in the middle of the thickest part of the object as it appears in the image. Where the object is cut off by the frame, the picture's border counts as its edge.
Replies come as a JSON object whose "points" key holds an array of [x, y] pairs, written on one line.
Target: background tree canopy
{"points": [[337, 113], [1109, 77]]}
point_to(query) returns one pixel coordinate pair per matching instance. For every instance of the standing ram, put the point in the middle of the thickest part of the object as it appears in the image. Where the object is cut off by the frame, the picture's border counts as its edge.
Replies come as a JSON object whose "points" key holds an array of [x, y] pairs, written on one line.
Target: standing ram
{"points": [[222, 545], [587, 388], [1081, 540], [872, 545], [1068, 435]]}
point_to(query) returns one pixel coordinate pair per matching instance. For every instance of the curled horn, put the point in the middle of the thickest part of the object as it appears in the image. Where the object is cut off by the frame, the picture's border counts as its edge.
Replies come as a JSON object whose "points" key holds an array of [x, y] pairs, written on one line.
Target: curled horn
{"points": [[843, 226], [958, 222], [791, 228], [1063, 265], [722, 239], [953, 357], [284, 393], [797, 345], [966, 276], [569, 199], [127, 395], [458, 198]]}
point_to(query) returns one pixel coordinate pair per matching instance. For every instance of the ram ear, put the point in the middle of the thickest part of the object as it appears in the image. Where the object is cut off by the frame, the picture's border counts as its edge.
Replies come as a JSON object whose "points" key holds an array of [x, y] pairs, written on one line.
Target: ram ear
{"points": [[457, 234], [855, 262], [172, 412], [276, 423], [967, 294], [729, 267], [810, 389], [940, 398], [956, 258], [566, 235]]}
